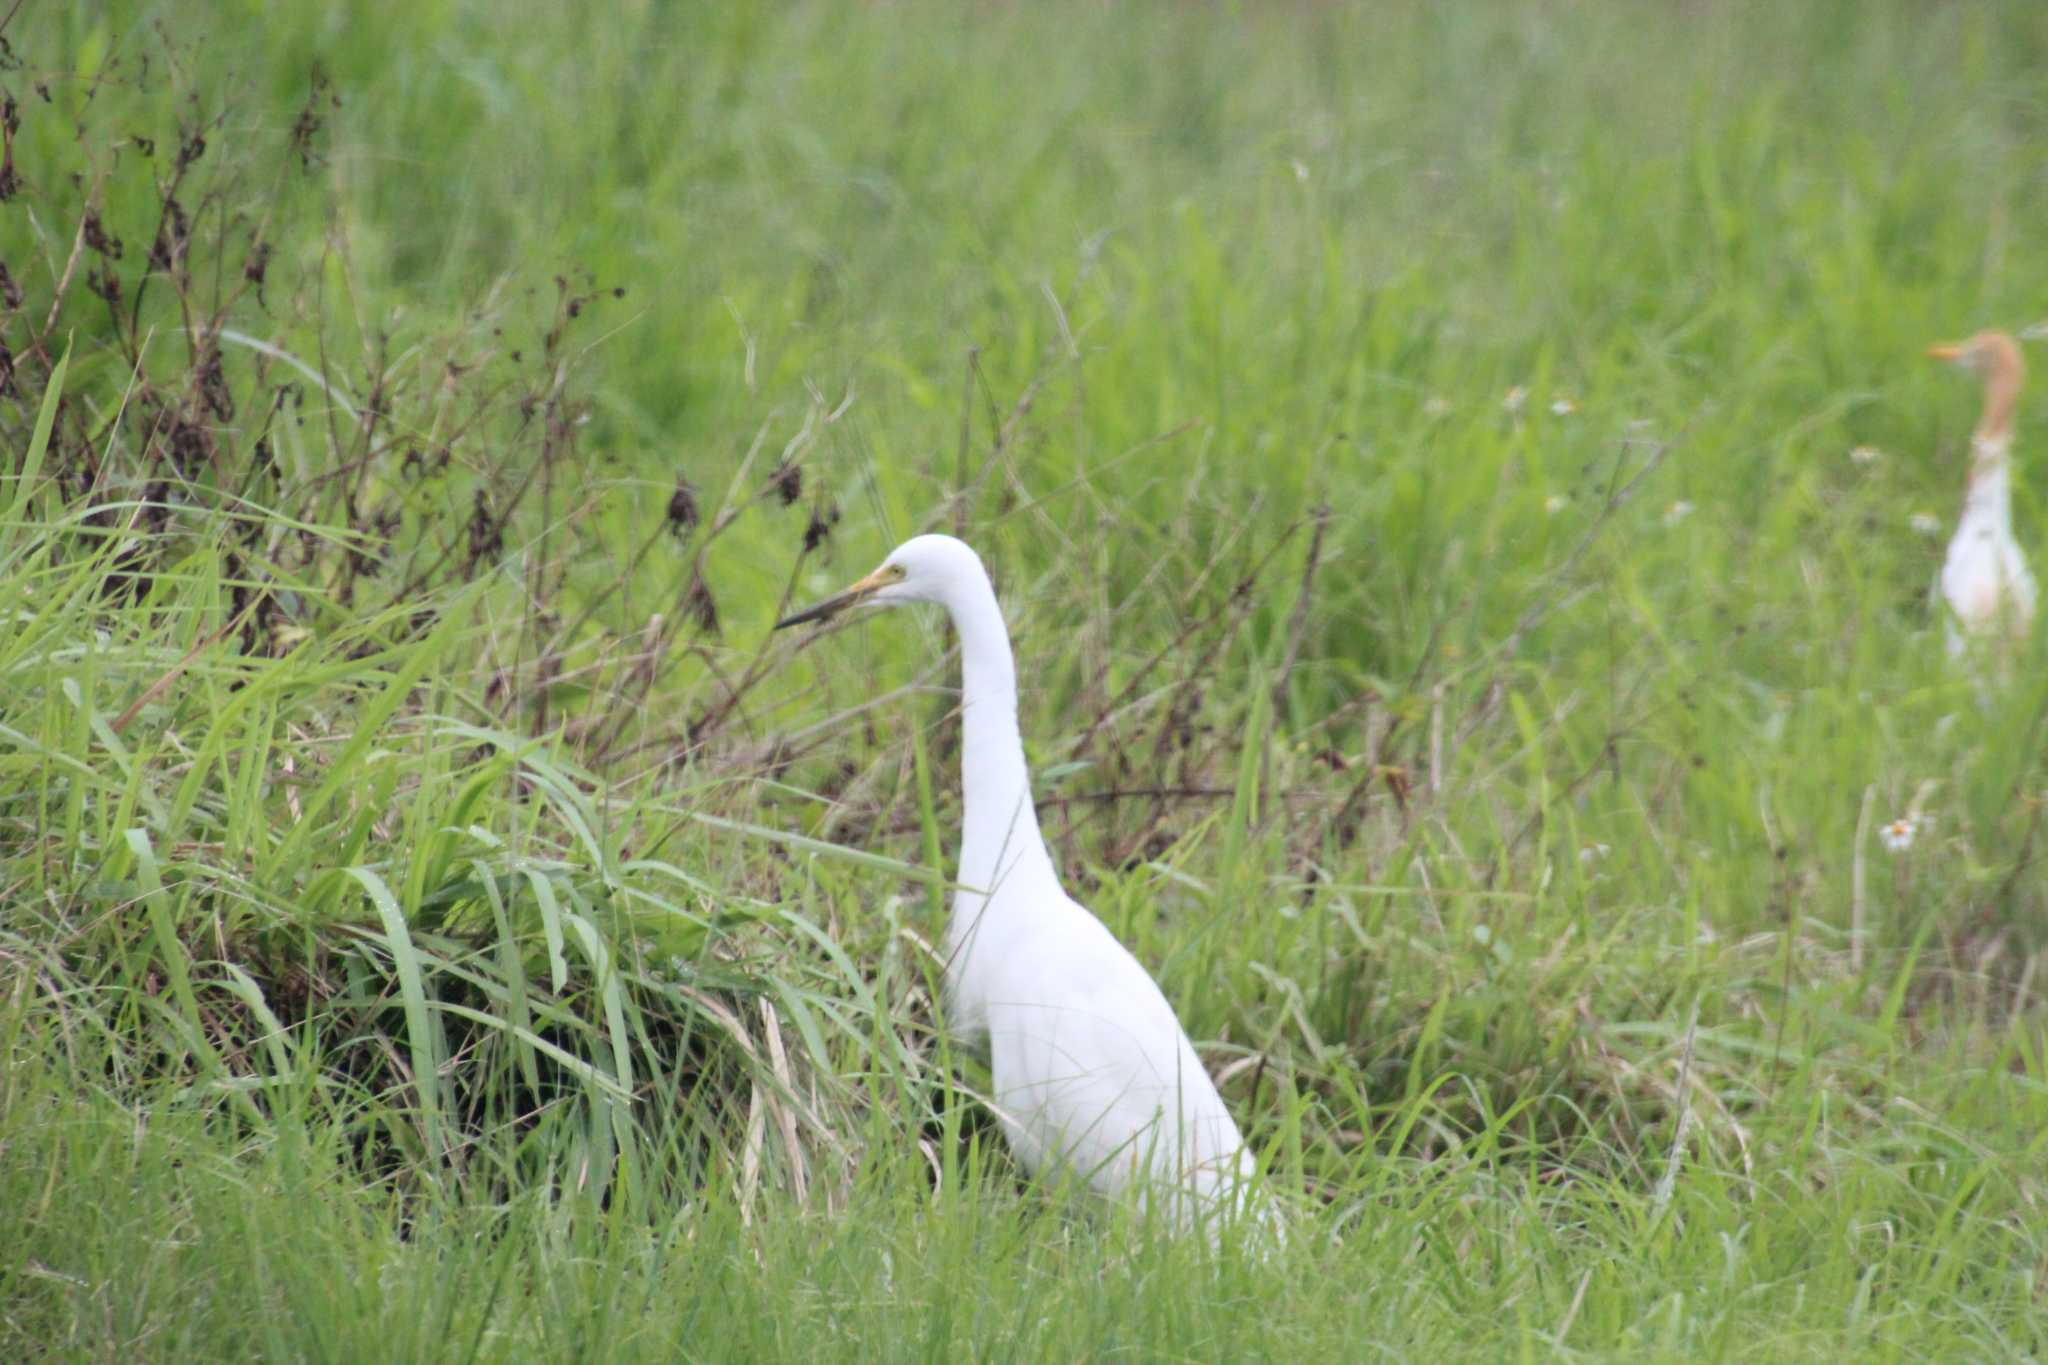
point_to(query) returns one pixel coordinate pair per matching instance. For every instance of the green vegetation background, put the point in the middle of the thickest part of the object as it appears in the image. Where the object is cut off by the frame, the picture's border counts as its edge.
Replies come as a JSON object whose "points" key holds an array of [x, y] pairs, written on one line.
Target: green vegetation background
{"points": [[1461, 657]]}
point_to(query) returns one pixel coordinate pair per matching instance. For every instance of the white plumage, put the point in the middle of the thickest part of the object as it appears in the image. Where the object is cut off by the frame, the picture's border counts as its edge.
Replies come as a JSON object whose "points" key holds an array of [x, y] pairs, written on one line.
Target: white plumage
{"points": [[1985, 582], [1092, 1072]]}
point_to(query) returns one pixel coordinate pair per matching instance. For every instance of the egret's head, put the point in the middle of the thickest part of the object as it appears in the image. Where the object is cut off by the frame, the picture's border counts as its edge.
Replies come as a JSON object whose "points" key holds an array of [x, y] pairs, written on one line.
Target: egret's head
{"points": [[1984, 353], [921, 569]]}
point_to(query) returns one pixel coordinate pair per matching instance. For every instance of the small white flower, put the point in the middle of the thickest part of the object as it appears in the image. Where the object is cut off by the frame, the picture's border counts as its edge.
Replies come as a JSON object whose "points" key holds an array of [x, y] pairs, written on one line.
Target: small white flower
{"points": [[1300, 170], [1561, 405], [1593, 853], [1556, 503], [1515, 400], [1677, 512], [1865, 455], [1436, 405], [1898, 835], [1926, 523]]}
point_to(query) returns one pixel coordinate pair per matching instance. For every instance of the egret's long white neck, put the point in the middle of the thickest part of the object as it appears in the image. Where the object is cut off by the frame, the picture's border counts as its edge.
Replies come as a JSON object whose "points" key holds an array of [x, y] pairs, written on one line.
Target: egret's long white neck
{"points": [[1000, 844]]}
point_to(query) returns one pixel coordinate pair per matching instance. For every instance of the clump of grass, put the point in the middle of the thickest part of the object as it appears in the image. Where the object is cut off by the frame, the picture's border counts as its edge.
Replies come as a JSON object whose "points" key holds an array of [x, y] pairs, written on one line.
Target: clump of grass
{"points": [[297, 827]]}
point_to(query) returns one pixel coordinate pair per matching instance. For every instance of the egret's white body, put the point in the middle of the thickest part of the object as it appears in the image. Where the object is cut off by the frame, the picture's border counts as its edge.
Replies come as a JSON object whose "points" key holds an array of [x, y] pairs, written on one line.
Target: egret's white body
{"points": [[1985, 582], [1093, 1074]]}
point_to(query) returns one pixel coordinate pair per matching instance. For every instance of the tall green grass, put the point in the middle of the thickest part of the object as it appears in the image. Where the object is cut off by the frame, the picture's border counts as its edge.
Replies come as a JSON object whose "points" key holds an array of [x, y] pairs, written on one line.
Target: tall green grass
{"points": [[1461, 659]]}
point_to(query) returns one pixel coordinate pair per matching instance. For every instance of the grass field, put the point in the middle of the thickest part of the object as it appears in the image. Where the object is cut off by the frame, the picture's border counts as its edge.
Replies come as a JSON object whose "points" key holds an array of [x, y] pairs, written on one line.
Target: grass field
{"points": [[1460, 656]]}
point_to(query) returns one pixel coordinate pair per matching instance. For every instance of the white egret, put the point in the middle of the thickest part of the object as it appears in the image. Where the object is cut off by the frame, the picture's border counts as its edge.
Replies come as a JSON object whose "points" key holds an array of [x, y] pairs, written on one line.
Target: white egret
{"points": [[1092, 1072], [1985, 580]]}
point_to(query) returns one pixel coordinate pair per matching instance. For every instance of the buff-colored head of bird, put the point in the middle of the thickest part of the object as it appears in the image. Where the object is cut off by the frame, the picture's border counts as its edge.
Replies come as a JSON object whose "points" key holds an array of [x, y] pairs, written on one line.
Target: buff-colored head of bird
{"points": [[1994, 356], [1987, 353]]}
